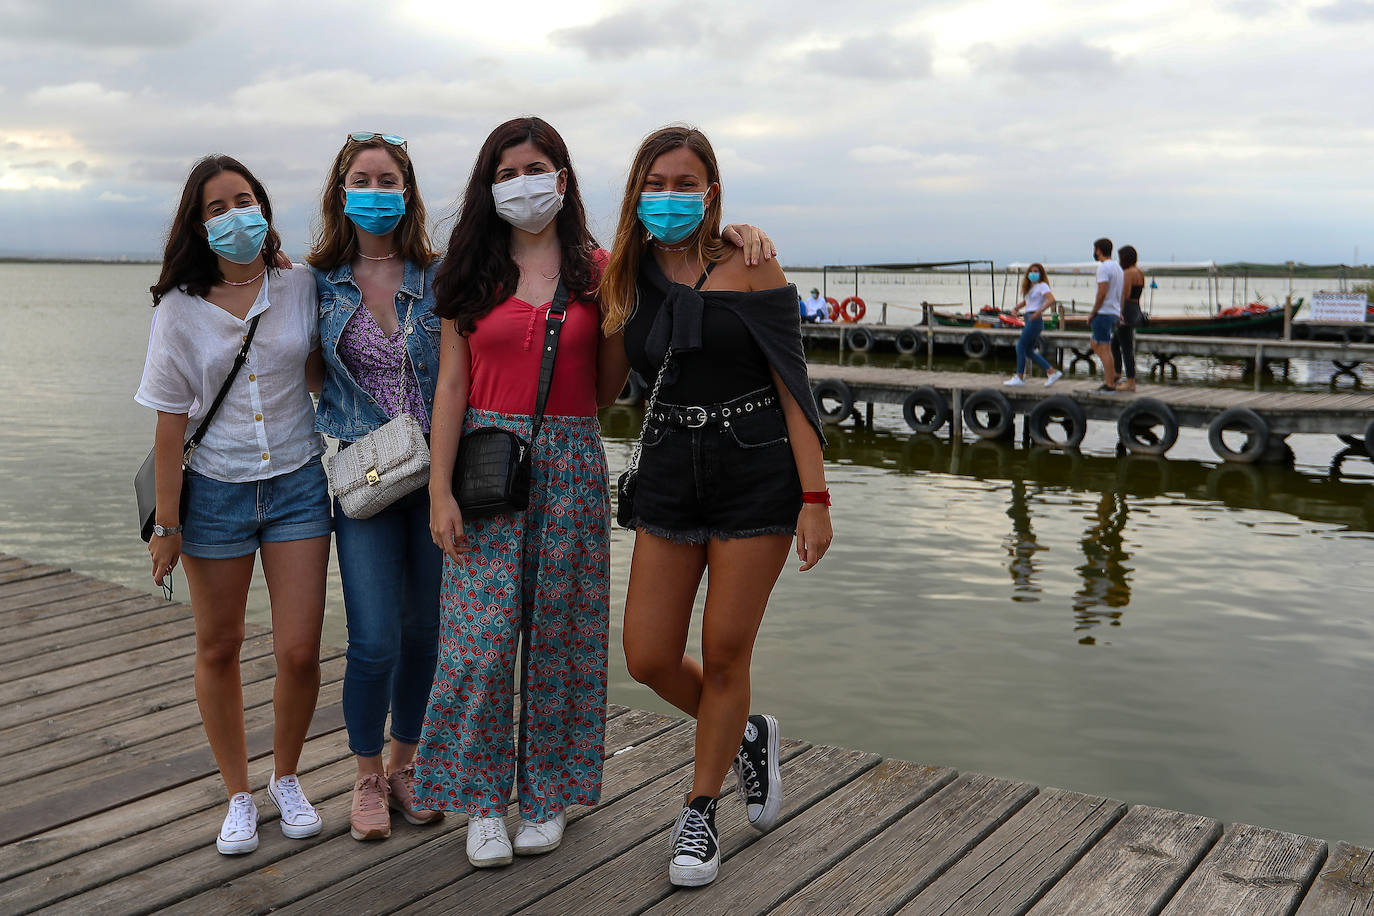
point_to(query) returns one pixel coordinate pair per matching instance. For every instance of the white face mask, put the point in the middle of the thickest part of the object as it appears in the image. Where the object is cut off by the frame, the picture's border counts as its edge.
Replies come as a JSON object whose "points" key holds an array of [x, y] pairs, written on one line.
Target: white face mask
{"points": [[528, 202]]}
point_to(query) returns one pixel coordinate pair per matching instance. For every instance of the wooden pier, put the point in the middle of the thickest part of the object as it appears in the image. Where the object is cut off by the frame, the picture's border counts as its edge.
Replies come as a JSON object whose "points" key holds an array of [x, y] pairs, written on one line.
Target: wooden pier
{"points": [[113, 799], [930, 400]]}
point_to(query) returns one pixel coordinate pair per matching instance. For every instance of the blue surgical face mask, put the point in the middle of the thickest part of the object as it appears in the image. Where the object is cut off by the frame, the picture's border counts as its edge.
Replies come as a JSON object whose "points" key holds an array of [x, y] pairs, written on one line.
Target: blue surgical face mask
{"points": [[373, 210], [1033, 276], [671, 216], [237, 235]]}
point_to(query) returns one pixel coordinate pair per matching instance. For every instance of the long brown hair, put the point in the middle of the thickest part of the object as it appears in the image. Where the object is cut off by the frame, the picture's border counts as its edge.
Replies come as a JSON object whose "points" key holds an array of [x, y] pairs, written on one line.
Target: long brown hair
{"points": [[336, 241], [478, 272], [632, 239], [1026, 283], [187, 260]]}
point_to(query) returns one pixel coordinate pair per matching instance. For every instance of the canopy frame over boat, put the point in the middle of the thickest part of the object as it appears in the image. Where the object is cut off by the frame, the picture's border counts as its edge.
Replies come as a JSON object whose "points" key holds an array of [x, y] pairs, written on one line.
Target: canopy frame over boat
{"points": [[928, 266]]}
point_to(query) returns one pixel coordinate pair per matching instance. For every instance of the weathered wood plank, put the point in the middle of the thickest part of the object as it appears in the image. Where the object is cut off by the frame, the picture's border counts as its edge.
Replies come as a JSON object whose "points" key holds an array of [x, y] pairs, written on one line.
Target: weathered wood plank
{"points": [[171, 883], [116, 644], [109, 740], [1136, 868], [35, 603], [1345, 886], [638, 878], [1250, 870], [898, 863], [85, 793], [13, 593], [784, 859], [68, 709], [1011, 869], [93, 622], [28, 688], [29, 571], [604, 834], [334, 878], [126, 842]]}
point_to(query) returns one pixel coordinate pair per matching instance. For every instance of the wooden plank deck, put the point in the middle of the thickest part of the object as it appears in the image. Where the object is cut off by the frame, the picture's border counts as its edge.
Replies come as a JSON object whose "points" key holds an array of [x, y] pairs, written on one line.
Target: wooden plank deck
{"points": [[113, 798]]}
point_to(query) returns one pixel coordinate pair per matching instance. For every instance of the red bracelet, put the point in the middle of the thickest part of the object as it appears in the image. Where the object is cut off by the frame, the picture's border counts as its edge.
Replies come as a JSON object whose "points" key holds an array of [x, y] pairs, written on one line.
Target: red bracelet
{"points": [[816, 496]]}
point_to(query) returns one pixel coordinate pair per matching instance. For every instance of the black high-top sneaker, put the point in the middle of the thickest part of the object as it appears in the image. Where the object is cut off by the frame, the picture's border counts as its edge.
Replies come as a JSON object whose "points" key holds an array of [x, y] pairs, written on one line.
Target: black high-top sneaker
{"points": [[756, 770], [696, 857]]}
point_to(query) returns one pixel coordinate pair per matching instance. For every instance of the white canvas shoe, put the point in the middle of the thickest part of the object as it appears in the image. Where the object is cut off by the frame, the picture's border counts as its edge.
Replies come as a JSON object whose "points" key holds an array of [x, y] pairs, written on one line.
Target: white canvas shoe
{"points": [[1054, 377], [488, 842], [299, 819], [532, 838], [240, 831], [1014, 382]]}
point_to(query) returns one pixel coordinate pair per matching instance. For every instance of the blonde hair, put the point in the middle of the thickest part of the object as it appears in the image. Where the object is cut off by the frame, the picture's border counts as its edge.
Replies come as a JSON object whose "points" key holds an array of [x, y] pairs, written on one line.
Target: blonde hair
{"points": [[336, 242], [618, 283]]}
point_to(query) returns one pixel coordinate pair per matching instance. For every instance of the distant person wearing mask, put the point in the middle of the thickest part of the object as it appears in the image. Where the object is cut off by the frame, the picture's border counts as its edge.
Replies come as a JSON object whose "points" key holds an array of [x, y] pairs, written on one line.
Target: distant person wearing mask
{"points": [[1036, 299], [1106, 313], [815, 309]]}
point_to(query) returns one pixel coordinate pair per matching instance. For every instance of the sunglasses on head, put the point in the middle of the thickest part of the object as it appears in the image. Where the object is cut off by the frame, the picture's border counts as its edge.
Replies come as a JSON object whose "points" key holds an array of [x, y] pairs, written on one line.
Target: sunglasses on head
{"points": [[363, 136]]}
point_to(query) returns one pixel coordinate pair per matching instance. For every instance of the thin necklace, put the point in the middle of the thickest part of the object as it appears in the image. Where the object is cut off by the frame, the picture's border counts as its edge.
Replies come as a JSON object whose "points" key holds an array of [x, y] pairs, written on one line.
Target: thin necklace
{"points": [[386, 257], [246, 282], [662, 247]]}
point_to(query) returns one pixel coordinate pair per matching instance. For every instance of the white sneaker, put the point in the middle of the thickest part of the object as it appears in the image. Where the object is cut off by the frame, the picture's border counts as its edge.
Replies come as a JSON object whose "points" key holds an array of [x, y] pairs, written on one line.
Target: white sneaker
{"points": [[240, 831], [1014, 382], [1054, 377], [488, 842], [532, 838], [299, 819]]}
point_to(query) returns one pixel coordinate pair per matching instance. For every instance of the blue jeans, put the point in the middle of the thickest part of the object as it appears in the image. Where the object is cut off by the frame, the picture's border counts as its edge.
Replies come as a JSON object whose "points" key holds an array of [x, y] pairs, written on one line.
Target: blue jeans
{"points": [[1025, 346], [390, 570], [226, 520]]}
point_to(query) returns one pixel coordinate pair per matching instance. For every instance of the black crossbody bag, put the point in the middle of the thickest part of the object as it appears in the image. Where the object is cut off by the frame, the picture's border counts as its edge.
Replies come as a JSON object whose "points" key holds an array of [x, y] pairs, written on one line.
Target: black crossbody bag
{"points": [[493, 470], [145, 481]]}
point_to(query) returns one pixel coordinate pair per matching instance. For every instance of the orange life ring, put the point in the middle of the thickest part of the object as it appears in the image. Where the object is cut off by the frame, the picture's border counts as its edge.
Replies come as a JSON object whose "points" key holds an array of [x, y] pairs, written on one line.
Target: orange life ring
{"points": [[858, 311], [834, 308]]}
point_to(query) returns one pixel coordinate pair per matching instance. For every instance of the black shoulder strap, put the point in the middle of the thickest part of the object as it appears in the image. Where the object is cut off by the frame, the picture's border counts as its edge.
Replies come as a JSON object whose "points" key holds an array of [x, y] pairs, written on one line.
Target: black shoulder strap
{"points": [[704, 274], [553, 326], [239, 360]]}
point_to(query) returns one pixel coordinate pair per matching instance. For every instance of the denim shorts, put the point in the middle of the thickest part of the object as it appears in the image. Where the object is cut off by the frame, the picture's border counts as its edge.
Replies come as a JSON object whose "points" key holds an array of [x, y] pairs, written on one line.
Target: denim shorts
{"points": [[1103, 326], [733, 478], [225, 520]]}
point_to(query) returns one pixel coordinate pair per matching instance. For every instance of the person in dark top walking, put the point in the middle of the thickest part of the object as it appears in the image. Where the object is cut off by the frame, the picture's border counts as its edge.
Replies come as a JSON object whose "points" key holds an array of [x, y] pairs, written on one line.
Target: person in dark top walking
{"points": [[1132, 317], [731, 469]]}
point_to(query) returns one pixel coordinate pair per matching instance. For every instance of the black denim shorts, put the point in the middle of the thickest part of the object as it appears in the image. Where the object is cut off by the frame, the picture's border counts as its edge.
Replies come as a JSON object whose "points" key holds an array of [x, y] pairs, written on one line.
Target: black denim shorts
{"points": [[732, 478]]}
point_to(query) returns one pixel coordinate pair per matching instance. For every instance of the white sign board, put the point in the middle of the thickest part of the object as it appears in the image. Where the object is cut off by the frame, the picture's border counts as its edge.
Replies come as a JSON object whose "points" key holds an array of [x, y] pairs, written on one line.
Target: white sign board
{"points": [[1339, 307]]}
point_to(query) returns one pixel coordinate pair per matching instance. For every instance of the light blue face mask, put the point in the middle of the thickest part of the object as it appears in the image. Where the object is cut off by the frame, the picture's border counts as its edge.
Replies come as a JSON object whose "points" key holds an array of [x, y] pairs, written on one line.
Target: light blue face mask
{"points": [[237, 235], [671, 216], [1033, 276], [373, 210]]}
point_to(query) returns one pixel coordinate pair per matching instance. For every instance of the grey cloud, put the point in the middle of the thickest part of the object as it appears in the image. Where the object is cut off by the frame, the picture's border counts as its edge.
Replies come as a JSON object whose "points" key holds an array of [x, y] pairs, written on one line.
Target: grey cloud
{"points": [[78, 167], [34, 166], [1070, 55], [882, 57], [159, 170], [1343, 11], [101, 23], [624, 33], [1254, 8]]}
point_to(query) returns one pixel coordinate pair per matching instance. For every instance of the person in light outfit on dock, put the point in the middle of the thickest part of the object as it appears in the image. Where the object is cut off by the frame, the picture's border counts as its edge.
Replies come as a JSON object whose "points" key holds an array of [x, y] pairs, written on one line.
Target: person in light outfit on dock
{"points": [[1106, 313], [254, 483], [1036, 299]]}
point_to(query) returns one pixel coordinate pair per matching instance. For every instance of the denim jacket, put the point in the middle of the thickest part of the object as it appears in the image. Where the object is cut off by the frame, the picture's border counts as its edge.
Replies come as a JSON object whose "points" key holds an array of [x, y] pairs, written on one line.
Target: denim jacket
{"points": [[346, 411]]}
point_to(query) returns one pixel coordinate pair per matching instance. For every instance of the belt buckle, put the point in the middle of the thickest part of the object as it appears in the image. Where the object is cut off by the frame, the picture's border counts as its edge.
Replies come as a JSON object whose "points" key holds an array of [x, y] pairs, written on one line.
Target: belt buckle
{"points": [[693, 421]]}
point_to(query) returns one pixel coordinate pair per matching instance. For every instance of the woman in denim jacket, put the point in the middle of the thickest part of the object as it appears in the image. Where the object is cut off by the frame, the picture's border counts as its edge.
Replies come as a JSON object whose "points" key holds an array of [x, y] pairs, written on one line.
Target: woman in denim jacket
{"points": [[375, 273]]}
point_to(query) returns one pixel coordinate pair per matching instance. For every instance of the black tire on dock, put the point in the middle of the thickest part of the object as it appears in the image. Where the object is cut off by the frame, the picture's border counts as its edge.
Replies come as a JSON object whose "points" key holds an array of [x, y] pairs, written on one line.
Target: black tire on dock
{"points": [[925, 409], [835, 390], [909, 340], [1351, 439], [977, 345], [1244, 420], [998, 409], [1063, 410], [860, 340], [1369, 439], [1135, 427], [633, 392]]}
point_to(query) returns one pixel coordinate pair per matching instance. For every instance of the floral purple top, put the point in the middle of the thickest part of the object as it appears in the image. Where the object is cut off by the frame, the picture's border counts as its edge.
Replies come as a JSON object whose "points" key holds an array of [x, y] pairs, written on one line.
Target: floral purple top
{"points": [[379, 366]]}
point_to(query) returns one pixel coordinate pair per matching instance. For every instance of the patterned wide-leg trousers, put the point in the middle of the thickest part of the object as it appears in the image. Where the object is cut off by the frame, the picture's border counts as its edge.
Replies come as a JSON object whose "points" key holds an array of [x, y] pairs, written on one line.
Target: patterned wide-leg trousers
{"points": [[542, 578]]}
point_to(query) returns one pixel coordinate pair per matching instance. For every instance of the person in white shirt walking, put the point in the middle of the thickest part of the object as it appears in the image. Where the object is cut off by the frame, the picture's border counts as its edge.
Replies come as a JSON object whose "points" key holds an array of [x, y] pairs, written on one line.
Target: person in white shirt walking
{"points": [[1106, 313], [1036, 299]]}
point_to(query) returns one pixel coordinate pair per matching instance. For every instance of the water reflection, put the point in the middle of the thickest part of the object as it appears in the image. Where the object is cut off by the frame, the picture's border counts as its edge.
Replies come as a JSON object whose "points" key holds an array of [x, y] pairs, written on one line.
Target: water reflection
{"points": [[1106, 584], [1022, 546]]}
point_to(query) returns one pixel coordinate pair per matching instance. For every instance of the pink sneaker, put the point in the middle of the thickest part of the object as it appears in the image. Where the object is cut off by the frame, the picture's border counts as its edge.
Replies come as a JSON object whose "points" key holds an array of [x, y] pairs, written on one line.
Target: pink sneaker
{"points": [[369, 819], [402, 797]]}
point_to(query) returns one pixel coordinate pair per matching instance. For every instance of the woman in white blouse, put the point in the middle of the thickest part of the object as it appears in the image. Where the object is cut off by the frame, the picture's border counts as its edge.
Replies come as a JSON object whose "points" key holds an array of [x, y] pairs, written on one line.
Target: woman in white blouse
{"points": [[254, 483]]}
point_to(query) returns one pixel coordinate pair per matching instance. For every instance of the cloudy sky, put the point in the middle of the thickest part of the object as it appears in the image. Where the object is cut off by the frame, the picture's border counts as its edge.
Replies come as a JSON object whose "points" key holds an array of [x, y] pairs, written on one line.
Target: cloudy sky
{"points": [[854, 131]]}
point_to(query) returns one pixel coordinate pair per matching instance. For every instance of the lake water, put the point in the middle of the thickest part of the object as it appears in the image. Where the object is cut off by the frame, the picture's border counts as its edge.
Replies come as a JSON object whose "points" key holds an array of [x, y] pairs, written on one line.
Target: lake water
{"points": [[1164, 632]]}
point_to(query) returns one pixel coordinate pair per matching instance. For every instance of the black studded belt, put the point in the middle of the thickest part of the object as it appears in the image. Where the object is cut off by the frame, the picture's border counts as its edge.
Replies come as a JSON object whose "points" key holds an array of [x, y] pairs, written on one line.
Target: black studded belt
{"points": [[695, 417]]}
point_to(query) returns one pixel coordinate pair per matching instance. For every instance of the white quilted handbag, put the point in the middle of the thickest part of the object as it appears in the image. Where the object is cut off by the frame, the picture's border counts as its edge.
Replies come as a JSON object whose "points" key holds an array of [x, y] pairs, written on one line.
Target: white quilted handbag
{"points": [[381, 467]]}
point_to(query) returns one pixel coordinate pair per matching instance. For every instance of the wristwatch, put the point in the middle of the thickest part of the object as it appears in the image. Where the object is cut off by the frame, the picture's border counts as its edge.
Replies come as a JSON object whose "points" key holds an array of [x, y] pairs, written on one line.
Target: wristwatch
{"points": [[164, 532]]}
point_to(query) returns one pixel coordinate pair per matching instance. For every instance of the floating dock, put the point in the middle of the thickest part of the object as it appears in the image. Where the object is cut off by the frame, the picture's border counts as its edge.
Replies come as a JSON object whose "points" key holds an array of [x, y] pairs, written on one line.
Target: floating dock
{"points": [[113, 799]]}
